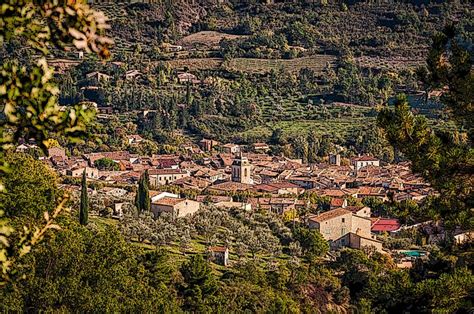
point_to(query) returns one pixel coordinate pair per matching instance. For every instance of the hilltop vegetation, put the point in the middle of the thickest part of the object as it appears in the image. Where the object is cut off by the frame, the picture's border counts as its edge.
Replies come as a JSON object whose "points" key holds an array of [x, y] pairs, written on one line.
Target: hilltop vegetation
{"points": [[260, 64]]}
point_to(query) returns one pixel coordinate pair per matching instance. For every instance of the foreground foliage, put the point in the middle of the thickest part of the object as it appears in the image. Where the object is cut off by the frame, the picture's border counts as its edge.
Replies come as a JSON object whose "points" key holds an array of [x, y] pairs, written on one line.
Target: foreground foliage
{"points": [[446, 159]]}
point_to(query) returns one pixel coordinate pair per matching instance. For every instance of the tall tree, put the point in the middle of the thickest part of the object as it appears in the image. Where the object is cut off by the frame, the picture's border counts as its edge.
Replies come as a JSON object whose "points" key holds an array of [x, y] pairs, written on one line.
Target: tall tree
{"points": [[142, 198], [445, 158], [84, 211]]}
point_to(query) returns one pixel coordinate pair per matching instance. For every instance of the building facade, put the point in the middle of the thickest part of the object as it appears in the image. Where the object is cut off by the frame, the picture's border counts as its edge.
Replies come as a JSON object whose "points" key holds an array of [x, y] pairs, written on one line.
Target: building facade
{"points": [[341, 228]]}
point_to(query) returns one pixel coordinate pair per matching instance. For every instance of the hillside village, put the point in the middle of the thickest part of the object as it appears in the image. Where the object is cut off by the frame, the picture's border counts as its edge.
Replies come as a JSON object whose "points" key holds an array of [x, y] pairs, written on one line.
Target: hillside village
{"points": [[240, 156], [201, 113], [231, 176]]}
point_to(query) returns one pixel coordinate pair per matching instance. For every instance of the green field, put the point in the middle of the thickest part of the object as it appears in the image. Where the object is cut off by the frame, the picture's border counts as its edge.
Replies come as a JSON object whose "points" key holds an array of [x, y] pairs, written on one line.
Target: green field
{"points": [[338, 127]]}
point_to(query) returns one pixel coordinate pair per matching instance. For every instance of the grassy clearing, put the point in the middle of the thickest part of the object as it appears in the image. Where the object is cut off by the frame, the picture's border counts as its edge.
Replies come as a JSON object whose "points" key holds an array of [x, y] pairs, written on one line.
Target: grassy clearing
{"points": [[206, 39], [102, 222]]}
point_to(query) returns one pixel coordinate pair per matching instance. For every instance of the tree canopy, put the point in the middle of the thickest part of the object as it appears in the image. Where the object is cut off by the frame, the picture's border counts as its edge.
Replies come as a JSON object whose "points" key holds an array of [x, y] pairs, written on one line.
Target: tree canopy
{"points": [[445, 158], [31, 187]]}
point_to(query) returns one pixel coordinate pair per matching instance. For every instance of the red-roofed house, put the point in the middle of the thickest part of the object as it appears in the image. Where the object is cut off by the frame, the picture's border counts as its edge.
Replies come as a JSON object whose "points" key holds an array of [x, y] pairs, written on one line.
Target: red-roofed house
{"points": [[178, 207], [364, 161], [338, 202], [166, 176], [342, 228], [220, 255], [280, 188]]}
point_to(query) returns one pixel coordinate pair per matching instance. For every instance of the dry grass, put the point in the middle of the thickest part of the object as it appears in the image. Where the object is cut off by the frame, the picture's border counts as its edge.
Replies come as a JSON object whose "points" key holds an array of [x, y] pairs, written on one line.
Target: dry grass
{"points": [[317, 63], [206, 39], [389, 63], [196, 63]]}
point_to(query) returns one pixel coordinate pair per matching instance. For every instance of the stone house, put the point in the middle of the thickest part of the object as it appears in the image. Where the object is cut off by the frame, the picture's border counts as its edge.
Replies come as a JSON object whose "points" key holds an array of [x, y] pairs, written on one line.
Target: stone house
{"points": [[92, 173], [364, 161], [207, 145], [166, 176], [134, 139], [260, 147], [184, 78], [177, 207], [362, 211], [344, 229], [57, 152], [98, 76], [219, 255], [208, 174], [231, 148]]}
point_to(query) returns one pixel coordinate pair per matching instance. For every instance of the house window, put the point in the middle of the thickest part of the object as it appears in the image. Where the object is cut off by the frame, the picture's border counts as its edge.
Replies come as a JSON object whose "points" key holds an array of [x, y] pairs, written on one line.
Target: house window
{"points": [[343, 241], [343, 219]]}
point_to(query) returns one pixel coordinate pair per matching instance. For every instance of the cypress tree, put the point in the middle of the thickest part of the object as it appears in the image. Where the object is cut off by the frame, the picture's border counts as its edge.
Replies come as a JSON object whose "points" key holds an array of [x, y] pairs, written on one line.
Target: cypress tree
{"points": [[137, 195], [146, 192], [142, 198], [84, 211]]}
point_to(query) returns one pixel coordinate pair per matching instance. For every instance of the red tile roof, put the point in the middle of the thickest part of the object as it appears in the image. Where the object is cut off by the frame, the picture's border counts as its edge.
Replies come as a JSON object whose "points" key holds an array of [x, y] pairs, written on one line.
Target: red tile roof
{"points": [[333, 193], [284, 185], [153, 172], [220, 249], [330, 215], [365, 158], [230, 186], [337, 202], [168, 201], [385, 224]]}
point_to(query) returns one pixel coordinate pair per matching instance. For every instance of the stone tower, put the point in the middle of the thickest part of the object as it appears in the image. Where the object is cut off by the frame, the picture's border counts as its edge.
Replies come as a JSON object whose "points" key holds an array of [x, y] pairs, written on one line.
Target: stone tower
{"points": [[335, 159], [241, 170]]}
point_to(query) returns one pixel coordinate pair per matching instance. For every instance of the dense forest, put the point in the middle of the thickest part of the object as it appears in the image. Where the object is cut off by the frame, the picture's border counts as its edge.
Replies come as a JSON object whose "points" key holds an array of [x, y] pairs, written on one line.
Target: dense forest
{"points": [[59, 260]]}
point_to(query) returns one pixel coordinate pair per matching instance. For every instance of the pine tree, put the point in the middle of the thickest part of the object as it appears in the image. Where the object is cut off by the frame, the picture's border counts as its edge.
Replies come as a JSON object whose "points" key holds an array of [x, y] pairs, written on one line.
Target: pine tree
{"points": [[444, 157], [199, 284], [84, 211]]}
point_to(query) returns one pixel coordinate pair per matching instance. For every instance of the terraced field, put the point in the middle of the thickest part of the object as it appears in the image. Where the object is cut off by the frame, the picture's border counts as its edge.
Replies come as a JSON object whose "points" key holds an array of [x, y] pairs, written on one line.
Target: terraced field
{"points": [[209, 39], [335, 127], [196, 63], [316, 62], [294, 116], [276, 108], [389, 63]]}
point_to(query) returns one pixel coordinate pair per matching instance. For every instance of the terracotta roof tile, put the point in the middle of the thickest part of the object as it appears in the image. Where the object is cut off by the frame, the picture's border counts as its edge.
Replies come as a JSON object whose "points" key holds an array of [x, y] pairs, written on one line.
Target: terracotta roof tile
{"points": [[330, 215]]}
